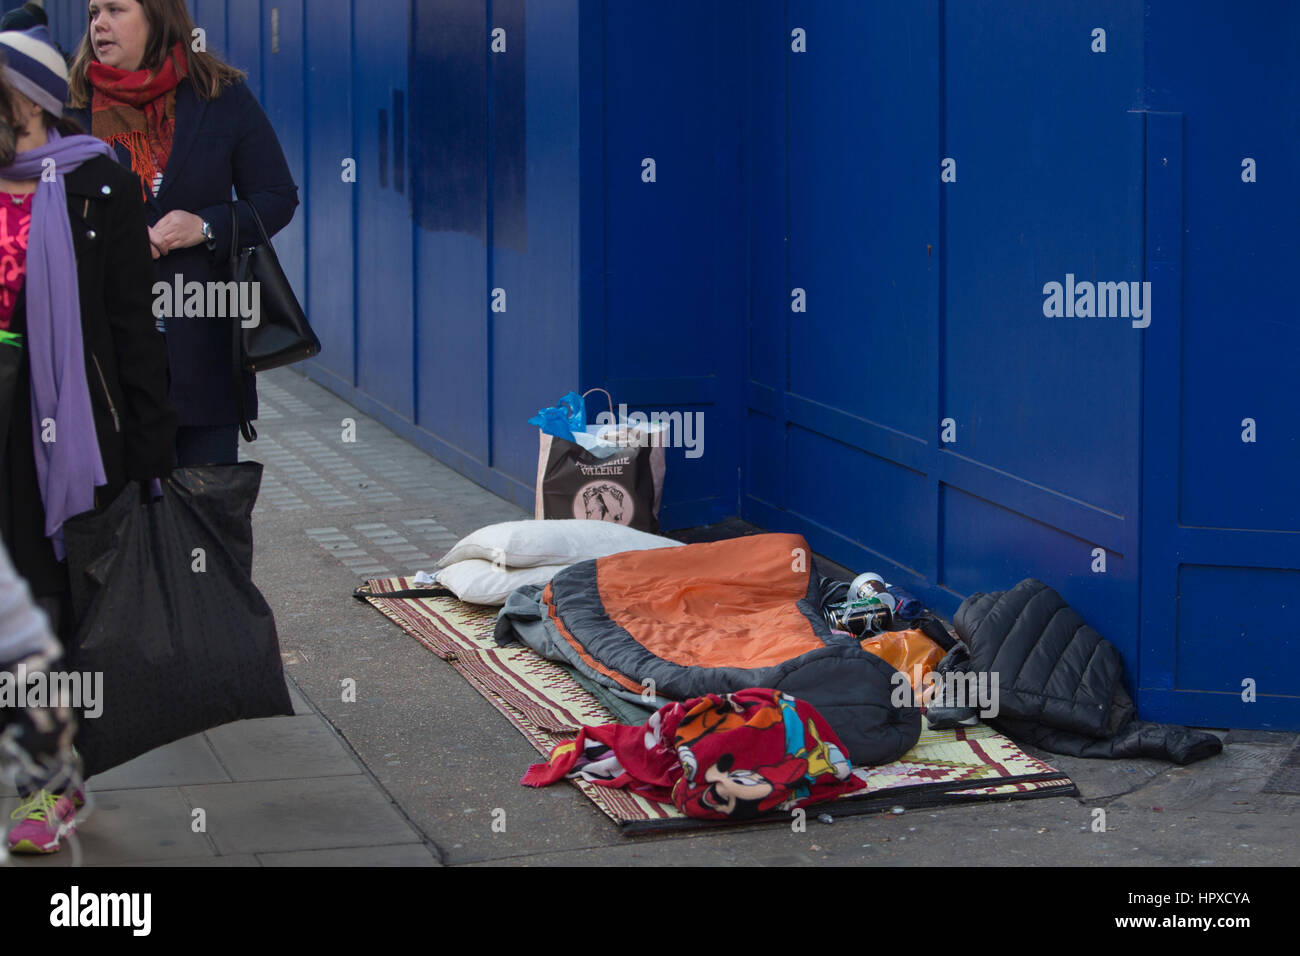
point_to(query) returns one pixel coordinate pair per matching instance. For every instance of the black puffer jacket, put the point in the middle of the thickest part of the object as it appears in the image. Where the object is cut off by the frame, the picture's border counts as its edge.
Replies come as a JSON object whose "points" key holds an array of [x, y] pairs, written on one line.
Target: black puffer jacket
{"points": [[1060, 683]]}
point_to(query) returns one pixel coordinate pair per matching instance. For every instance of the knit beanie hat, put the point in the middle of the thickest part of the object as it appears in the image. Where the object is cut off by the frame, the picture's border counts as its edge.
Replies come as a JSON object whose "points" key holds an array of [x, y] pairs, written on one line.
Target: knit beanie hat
{"points": [[35, 68], [24, 18]]}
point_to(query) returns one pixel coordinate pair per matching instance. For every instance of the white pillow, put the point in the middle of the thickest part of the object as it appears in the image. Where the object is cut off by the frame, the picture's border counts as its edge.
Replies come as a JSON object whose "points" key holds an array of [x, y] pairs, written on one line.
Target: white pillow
{"points": [[528, 544], [482, 582]]}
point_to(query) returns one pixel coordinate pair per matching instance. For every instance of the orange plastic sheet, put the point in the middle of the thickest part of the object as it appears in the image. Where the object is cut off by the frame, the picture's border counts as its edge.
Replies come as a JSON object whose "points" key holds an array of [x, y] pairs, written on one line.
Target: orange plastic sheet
{"points": [[908, 651]]}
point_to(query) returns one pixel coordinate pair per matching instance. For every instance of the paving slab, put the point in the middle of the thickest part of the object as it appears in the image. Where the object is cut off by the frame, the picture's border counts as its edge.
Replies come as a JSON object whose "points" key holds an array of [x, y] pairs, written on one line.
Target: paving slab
{"points": [[409, 854], [186, 761], [126, 826], [278, 748], [1272, 738], [233, 860], [316, 813], [1053, 832]]}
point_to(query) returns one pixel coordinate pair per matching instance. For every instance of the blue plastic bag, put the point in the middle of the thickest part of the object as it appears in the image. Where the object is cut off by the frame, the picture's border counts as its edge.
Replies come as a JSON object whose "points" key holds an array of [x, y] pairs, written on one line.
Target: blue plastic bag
{"points": [[562, 419]]}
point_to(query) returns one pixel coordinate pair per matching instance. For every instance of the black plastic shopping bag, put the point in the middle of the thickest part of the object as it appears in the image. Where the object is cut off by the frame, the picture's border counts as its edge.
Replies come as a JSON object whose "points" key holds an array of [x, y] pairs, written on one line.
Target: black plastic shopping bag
{"points": [[11, 359], [168, 613]]}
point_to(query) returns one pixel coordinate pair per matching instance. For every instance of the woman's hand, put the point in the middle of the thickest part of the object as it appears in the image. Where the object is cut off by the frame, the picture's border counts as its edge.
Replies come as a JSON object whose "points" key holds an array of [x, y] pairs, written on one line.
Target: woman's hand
{"points": [[176, 230]]}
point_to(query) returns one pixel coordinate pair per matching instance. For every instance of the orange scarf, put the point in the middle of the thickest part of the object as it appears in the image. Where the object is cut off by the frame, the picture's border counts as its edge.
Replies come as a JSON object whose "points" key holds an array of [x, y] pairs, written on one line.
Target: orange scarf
{"points": [[138, 109]]}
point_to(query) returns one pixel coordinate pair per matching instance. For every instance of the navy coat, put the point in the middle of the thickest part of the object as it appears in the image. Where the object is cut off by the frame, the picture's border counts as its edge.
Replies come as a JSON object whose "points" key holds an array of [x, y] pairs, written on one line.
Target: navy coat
{"points": [[219, 144]]}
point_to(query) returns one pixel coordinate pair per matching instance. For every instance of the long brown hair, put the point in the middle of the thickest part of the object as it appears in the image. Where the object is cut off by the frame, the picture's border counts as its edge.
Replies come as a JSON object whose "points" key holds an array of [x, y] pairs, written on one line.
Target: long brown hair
{"points": [[169, 23]]}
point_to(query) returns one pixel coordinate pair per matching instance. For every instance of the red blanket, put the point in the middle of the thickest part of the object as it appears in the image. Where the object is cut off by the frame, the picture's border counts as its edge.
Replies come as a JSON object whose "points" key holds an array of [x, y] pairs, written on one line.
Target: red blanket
{"points": [[718, 758]]}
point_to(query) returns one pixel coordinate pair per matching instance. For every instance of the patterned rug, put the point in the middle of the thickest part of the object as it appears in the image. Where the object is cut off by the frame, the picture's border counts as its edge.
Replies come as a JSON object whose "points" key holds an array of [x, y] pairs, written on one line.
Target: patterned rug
{"points": [[544, 701]]}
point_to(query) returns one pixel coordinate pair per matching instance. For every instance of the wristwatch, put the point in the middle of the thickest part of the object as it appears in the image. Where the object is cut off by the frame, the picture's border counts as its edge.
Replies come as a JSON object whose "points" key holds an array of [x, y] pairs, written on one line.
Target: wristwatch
{"points": [[209, 235]]}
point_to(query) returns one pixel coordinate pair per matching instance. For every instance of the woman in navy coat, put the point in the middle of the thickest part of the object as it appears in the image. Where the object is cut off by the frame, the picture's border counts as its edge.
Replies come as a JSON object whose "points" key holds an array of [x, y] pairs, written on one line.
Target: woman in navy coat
{"points": [[188, 126]]}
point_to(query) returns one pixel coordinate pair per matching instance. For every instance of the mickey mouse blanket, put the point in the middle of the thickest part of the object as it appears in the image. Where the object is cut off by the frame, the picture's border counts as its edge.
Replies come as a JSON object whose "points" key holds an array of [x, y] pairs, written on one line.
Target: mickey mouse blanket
{"points": [[731, 757]]}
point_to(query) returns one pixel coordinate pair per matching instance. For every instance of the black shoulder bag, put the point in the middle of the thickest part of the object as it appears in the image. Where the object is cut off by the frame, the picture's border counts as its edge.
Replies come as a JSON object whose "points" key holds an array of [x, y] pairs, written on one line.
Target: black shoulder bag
{"points": [[281, 334]]}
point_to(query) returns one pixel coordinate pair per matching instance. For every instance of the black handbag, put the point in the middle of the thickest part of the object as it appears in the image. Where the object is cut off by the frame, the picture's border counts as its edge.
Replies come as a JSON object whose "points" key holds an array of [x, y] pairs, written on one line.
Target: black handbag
{"points": [[282, 334]]}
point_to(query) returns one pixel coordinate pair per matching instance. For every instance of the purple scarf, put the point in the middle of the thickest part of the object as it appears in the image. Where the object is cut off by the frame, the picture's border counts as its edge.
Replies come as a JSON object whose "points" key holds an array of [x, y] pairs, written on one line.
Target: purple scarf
{"points": [[69, 468]]}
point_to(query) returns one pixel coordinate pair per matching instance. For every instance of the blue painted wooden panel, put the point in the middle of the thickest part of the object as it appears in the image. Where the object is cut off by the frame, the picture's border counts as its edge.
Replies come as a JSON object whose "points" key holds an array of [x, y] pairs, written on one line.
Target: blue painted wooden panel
{"points": [[990, 547], [449, 155], [1221, 527], [329, 202], [210, 16], [659, 234], [535, 345], [873, 499], [1048, 187], [1163, 148], [925, 297], [844, 205], [68, 19], [765, 199], [243, 44], [508, 125], [1048, 184], [1241, 331], [385, 320], [674, 292], [764, 372], [452, 305], [449, 136], [283, 101], [1222, 642], [438, 319], [765, 450], [860, 246]]}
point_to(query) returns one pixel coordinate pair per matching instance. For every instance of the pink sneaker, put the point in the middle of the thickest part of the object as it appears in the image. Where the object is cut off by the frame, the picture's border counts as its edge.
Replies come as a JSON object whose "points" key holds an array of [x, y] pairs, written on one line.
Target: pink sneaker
{"points": [[44, 819]]}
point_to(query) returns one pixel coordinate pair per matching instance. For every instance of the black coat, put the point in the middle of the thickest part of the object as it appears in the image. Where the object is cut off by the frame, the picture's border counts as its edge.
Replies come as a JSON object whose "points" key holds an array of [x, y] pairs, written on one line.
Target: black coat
{"points": [[1060, 683], [219, 144], [126, 364]]}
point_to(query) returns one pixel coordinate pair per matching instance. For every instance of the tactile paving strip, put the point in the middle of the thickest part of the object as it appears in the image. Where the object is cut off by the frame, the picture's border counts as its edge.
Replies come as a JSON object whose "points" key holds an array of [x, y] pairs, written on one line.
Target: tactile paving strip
{"points": [[310, 464], [325, 459], [410, 546]]}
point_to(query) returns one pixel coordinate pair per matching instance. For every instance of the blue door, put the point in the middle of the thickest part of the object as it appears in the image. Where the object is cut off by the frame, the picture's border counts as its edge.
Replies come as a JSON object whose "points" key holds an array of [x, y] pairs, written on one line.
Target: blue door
{"points": [[1221, 512]]}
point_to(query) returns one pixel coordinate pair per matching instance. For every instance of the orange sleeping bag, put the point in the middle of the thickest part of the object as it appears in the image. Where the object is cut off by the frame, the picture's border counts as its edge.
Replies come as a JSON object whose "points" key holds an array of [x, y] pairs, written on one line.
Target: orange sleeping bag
{"points": [[714, 618]]}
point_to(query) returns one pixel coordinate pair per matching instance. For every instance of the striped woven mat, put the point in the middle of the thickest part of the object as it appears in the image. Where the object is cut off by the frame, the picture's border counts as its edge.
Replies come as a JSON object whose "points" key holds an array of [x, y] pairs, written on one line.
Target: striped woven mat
{"points": [[547, 705]]}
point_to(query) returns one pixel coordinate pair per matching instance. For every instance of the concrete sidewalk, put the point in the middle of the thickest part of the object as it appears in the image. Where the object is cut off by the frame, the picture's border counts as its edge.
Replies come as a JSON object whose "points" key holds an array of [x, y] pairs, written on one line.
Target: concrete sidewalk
{"points": [[416, 770]]}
